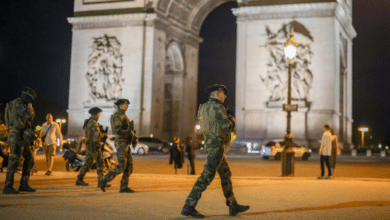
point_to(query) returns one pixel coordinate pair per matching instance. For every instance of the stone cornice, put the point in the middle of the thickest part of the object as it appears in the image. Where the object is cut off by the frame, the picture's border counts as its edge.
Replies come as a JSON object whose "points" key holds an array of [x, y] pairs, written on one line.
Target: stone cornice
{"points": [[330, 9], [108, 21], [345, 21], [285, 11]]}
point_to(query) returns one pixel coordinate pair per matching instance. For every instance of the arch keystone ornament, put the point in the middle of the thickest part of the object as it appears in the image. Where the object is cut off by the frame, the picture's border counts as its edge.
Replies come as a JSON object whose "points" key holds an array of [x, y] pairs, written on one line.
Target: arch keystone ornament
{"points": [[154, 64]]}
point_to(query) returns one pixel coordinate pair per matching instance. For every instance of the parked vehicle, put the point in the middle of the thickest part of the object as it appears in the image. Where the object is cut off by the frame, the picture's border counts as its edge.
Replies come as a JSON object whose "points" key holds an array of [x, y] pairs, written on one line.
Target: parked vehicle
{"points": [[140, 149], [74, 160], [250, 146], [274, 149], [155, 144]]}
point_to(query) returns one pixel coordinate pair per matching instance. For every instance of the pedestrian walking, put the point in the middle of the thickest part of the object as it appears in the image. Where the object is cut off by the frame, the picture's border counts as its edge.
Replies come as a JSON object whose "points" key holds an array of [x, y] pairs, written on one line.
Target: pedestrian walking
{"points": [[124, 136], [95, 138], [325, 152], [335, 151], [18, 116], [215, 125], [177, 154], [50, 132], [35, 145], [190, 154]]}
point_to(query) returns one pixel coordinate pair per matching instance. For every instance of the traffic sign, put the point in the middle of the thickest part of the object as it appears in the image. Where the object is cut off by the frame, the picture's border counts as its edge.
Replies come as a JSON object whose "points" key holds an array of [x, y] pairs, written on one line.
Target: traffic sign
{"points": [[290, 108]]}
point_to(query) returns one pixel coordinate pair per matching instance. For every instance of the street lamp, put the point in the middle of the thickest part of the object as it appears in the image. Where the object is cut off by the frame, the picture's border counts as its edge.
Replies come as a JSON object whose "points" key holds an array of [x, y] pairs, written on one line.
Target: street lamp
{"points": [[290, 51], [363, 129], [60, 121]]}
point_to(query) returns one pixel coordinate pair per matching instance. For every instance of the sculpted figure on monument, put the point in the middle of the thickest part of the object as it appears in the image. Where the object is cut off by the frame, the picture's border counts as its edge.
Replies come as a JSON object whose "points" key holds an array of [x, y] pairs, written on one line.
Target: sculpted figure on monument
{"points": [[105, 70], [276, 77]]}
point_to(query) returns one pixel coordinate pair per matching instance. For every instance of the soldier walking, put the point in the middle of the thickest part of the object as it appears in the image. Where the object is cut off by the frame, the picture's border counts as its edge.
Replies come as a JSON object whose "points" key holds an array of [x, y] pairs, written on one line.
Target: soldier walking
{"points": [[216, 126], [18, 116], [94, 138], [124, 136]]}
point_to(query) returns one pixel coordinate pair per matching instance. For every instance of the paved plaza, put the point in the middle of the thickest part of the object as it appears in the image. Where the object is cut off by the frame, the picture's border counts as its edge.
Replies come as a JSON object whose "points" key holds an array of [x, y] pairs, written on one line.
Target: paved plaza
{"points": [[161, 196]]}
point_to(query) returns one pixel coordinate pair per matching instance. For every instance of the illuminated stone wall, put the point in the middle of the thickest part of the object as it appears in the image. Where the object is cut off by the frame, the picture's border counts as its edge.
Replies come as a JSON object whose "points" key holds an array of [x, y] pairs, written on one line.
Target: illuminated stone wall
{"points": [[147, 52]]}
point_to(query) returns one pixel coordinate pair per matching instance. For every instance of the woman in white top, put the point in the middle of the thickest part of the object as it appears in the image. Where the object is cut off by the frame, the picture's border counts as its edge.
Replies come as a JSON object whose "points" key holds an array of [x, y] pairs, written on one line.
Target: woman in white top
{"points": [[49, 145], [325, 152]]}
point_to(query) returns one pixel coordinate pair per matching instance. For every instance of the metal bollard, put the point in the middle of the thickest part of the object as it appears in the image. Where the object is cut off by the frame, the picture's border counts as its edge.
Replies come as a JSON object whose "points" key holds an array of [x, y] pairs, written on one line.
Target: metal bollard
{"points": [[353, 153], [368, 153]]}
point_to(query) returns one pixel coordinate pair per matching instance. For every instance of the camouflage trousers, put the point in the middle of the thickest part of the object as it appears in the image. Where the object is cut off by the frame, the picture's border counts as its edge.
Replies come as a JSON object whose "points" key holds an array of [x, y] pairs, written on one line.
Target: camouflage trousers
{"points": [[18, 150], [216, 162], [92, 154], [125, 163]]}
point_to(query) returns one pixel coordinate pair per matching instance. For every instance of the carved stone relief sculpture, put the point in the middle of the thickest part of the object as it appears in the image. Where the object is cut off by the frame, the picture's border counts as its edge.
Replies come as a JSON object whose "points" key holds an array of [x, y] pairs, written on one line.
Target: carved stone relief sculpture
{"points": [[276, 75], [105, 70]]}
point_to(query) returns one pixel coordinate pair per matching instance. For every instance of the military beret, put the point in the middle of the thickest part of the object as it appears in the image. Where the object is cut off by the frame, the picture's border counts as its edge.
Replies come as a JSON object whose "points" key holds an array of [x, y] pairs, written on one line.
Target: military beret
{"points": [[29, 91], [121, 101], [215, 87], [94, 111]]}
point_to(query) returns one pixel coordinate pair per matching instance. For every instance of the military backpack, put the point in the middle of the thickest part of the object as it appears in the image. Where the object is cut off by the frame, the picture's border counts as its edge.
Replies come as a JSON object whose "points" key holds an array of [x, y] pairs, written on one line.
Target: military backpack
{"points": [[8, 113]]}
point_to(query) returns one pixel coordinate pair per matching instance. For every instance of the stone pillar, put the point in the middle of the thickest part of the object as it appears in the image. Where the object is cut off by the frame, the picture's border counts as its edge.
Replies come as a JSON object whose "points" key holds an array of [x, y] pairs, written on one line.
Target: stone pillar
{"points": [[262, 71]]}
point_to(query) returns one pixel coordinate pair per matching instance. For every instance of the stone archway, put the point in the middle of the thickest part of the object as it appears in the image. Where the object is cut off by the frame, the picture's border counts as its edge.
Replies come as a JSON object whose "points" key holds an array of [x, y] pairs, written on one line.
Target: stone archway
{"points": [[159, 39], [173, 91]]}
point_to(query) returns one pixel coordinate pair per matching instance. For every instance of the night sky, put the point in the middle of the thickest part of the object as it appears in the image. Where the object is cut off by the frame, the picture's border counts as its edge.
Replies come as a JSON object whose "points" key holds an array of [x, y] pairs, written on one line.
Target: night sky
{"points": [[35, 49]]}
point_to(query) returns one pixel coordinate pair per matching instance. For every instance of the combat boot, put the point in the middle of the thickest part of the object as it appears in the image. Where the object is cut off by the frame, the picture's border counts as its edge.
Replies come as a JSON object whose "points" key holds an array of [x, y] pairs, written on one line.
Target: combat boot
{"points": [[102, 184], [191, 211], [126, 190], [235, 208], [80, 182], [9, 190], [26, 188], [9, 182]]}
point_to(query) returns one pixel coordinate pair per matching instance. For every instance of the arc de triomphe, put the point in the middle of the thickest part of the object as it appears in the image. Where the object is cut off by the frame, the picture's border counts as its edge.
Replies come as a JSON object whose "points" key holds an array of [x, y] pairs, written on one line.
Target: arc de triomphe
{"points": [[147, 52]]}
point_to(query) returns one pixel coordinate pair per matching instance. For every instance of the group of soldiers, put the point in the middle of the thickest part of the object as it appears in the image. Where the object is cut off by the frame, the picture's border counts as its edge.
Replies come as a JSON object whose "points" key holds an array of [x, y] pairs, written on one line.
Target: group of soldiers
{"points": [[216, 126]]}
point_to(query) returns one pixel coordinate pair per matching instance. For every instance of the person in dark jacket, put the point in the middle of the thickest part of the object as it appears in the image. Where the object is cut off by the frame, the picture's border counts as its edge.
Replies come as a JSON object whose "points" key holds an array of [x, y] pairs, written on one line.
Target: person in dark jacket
{"points": [[190, 154], [177, 154]]}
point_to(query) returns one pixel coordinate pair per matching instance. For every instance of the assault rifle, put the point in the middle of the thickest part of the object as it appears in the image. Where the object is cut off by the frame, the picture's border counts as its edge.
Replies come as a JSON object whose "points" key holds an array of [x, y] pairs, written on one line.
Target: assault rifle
{"points": [[104, 139], [232, 118], [133, 140]]}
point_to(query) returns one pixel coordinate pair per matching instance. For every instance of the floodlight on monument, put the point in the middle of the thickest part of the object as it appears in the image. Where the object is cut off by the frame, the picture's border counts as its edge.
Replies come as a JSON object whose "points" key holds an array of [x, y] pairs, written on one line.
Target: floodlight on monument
{"points": [[290, 47]]}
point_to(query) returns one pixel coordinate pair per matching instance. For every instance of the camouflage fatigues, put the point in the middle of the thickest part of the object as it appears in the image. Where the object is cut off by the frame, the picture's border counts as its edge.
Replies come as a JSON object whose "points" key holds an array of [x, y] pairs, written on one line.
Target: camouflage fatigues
{"points": [[94, 151], [120, 127], [20, 118], [216, 127]]}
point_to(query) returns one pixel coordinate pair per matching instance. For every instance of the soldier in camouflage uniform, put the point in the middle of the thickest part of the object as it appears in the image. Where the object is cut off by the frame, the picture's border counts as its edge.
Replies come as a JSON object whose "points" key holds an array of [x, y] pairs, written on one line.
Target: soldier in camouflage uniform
{"points": [[19, 116], [120, 125], [216, 126], [94, 150]]}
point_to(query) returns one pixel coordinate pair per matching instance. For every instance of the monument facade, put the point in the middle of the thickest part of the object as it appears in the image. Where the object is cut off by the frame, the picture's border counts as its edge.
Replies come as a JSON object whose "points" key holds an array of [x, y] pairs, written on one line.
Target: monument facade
{"points": [[147, 52]]}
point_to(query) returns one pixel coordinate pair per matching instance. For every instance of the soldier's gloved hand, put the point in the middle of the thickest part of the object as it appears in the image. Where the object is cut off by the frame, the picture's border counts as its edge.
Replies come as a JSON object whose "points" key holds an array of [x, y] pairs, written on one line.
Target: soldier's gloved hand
{"points": [[233, 120], [103, 137], [134, 143], [131, 134]]}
